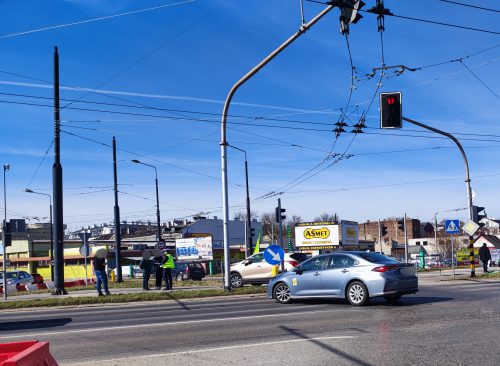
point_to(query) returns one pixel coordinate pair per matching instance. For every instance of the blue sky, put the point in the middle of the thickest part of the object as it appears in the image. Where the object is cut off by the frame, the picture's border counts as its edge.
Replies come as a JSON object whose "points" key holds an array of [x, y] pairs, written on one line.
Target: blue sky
{"points": [[165, 73]]}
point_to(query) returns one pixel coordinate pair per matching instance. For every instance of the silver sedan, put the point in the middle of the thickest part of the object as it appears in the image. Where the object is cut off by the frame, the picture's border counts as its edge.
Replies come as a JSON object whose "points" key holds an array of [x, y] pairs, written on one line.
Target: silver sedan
{"points": [[355, 276]]}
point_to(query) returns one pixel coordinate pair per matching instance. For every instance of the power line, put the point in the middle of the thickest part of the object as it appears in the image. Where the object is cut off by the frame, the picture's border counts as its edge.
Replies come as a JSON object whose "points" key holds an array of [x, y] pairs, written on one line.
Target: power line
{"points": [[470, 6], [39, 165], [93, 20], [478, 79]]}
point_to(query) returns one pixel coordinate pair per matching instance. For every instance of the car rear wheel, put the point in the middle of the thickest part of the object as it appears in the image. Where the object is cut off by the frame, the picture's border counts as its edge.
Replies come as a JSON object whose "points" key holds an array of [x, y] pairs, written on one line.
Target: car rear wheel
{"points": [[281, 293], [392, 299], [236, 280], [357, 294], [178, 277]]}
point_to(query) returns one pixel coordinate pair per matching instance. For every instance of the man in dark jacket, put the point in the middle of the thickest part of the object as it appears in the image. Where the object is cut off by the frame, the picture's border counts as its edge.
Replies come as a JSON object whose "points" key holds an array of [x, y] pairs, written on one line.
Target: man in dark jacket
{"points": [[99, 264], [146, 265], [157, 262], [484, 256]]}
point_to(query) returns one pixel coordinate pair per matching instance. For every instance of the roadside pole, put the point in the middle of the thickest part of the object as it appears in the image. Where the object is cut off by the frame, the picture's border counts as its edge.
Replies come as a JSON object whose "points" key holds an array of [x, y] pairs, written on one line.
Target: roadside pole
{"points": [[379, 236], [452, 256], [223, 143], [406, 242], [467, 182]]}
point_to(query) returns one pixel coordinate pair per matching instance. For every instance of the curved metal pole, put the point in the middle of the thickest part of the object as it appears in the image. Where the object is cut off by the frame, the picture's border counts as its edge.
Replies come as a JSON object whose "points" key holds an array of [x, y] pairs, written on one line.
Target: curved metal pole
{"points": [[223, 143], [467, 182]]}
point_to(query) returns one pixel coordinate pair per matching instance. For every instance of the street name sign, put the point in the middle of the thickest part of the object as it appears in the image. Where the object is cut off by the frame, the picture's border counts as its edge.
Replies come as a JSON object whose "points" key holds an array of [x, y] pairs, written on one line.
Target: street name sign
{"points": [[452, 226], [274, 254]]}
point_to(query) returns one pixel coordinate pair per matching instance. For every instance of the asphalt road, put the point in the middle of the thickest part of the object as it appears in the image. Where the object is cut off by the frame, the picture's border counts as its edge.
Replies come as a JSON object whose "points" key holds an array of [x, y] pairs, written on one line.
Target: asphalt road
{"points": [[451, 323]]}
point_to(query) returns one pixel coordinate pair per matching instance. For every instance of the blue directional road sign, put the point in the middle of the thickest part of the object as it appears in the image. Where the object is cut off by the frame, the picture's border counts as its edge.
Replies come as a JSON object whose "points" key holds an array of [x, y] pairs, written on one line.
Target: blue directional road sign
{"points": [[274, 254], [452, 226]]}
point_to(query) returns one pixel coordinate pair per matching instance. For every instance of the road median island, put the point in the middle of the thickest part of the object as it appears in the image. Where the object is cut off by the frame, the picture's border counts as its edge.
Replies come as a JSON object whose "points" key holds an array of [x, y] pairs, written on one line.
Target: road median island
{"points": [[128, 298]]}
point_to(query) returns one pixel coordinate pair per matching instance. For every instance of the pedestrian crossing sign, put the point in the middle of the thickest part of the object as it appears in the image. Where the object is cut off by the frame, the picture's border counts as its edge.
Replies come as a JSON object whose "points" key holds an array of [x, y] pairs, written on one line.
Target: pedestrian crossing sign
{"points": [[452, 226]]}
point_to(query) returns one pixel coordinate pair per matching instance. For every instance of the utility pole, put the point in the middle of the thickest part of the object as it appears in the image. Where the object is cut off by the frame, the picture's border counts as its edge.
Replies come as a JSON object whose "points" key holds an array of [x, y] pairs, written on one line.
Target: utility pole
{"points": [[223, 142], [467, 182], [406, 241], [379, 236], [57, 190], [118, 242], [6, 168], [435, 232]]}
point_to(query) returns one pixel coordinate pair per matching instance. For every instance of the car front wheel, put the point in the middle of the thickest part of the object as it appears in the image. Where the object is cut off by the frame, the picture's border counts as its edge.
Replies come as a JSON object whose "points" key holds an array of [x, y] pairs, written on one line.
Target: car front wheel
{"points": [[281, 293], [178, 277], [357, 294], [236, 280]]}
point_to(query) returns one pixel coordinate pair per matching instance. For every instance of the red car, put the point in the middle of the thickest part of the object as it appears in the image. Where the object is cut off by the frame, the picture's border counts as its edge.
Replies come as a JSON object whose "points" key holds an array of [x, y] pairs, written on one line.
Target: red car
{"points": [[37, 278]]}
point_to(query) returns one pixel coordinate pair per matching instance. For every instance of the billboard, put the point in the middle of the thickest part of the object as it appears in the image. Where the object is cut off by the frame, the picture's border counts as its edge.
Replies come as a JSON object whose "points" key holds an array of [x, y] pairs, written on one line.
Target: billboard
{"points": [[316, 235], [194, 248], [350, 231]]}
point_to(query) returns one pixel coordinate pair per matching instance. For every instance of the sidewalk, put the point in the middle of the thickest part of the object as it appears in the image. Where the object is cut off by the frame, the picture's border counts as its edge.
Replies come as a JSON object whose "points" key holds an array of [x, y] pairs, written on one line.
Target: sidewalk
{"points": [[447, 274]]}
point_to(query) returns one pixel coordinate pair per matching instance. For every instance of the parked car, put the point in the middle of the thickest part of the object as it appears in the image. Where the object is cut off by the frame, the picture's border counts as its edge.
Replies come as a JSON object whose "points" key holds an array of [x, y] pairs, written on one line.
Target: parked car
{"points": [[37, 278], [17, 278], [188, 271], [256, 271], [355, 276]]}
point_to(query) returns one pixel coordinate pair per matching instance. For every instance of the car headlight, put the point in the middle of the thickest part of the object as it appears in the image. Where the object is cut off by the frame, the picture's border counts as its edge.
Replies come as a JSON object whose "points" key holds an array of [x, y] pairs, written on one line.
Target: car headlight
{"points": [[9, 282]]}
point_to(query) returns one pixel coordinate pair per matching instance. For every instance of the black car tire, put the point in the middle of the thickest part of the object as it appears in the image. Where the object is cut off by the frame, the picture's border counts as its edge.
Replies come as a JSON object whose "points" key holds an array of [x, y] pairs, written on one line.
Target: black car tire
{"points": [[236, 280], [178, 277], [281, 293], [392, 299], [357, 293]]}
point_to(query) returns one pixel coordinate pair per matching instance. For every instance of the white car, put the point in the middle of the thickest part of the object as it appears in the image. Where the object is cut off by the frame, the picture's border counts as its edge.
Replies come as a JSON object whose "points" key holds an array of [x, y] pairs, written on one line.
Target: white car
{"points": [[256, 271]]}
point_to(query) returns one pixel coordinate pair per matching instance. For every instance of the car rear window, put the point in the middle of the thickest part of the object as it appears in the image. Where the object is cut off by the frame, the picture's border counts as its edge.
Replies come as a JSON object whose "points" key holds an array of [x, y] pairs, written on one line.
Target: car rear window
{"points": [[376, 257], [299, 257]]}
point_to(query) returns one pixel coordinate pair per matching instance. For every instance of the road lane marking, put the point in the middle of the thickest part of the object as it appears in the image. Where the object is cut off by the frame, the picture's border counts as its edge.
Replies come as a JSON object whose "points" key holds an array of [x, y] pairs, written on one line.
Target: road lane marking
{"points": [[224, 348], [184, 322]]}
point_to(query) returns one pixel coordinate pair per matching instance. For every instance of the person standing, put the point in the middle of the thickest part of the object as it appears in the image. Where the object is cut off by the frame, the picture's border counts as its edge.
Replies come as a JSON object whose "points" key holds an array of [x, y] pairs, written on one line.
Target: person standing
{"points": [[158, 269], [168, 264], [99, 264], [484, 256], [146, 265]]}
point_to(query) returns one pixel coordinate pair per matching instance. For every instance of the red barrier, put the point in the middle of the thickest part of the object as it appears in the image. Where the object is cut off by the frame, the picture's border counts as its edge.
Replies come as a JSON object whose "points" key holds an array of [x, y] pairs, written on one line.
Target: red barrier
{"points": [[41, 286], [29, 353]]}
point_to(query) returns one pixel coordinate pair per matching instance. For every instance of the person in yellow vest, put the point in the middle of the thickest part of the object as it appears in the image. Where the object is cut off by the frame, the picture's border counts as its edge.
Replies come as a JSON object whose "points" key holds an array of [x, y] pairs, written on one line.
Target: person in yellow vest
{"points": [[168, 264]]}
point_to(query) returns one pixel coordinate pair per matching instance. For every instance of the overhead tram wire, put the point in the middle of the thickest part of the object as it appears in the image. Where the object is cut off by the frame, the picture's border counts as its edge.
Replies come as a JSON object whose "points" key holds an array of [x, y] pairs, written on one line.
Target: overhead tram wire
{"points": [[234, 123], [478, 79], [469, 5], [39, 165], [422, 20]]}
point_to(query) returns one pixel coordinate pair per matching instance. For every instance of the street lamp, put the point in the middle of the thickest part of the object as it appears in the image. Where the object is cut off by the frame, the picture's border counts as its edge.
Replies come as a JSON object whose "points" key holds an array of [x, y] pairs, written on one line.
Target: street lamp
{"points": [[51, 253], [6, 168], [248, 239], [157, 200]]}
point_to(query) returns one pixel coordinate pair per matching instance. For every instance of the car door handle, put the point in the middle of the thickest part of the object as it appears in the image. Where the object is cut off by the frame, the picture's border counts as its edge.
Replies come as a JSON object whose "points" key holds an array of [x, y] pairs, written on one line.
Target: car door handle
{"points": [[344, 270], [317, 274]]}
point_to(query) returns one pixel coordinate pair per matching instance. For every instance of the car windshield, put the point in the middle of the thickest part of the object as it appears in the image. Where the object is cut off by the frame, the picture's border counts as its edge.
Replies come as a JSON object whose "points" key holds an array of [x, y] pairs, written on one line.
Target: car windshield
{"points": [[376, 257]]}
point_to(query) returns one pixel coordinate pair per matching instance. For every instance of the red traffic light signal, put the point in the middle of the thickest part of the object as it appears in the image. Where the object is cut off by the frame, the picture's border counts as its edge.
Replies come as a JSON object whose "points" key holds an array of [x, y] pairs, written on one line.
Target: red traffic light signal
{"points": [[391, 110]]}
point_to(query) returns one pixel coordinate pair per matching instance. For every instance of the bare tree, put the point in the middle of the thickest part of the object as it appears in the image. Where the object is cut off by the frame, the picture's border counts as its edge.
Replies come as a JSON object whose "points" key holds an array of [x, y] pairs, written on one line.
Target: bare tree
{"points": [[326, 217]]}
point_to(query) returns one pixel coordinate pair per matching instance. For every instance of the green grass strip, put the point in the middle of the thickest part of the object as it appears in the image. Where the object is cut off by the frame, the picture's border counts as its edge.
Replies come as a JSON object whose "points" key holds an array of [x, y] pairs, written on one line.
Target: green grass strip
{"points": [[126, 298]]}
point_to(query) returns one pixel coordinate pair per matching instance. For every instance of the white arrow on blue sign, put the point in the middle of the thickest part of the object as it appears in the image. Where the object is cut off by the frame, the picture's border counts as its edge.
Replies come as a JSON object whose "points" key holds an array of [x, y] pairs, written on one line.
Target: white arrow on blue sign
{"points": [[274, 254], [452, 226]]}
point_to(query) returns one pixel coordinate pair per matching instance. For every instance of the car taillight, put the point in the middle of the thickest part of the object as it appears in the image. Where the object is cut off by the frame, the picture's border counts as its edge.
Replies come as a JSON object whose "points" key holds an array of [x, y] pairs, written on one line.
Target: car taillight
{"points": [[385, 268], [187, 270], [293, 263]]}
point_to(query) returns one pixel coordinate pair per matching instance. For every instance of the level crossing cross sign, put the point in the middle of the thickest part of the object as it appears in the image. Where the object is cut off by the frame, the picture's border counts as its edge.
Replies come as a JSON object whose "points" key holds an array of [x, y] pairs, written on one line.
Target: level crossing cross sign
{"points": [[452, 226], [274, 254]]}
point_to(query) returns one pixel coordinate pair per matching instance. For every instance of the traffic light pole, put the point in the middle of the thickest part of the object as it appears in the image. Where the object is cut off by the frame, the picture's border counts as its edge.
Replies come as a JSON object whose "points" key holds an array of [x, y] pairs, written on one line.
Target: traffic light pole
{"points": [[379, 236], [406, 241], [223, 143], [467, 182], [280, 233], [118, 242]]}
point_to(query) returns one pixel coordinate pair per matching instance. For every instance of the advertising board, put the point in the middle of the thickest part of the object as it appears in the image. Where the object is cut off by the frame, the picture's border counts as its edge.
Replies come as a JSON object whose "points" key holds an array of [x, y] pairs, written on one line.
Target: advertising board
{"points": [[194, 248], [350, 232], [316, 235]]}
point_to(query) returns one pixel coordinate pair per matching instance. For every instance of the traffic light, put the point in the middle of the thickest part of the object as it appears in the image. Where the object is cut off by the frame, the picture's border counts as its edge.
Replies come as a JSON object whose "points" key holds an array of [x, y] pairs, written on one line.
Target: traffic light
{"points": [[252, 232], [478, 214], [279, 214], [391, 110], [7, 236], [349, 13], [401, 225], [383, 230]]}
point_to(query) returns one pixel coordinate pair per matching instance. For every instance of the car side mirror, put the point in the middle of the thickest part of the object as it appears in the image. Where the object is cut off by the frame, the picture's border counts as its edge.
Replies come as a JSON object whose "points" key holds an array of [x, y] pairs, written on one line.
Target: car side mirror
{"points": [[246, 262], [298, 271]]}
